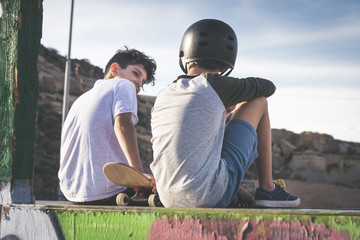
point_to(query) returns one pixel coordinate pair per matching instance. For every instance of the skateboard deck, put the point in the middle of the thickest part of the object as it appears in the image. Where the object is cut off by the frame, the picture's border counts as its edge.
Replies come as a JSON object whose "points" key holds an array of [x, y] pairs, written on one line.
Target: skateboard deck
{"points": [[125, 175]]}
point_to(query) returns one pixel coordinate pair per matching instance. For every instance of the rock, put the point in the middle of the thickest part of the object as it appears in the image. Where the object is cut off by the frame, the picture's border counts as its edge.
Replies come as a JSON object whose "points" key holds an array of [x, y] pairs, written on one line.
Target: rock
{"points": [[315, 141], [278, 160], [326, 168], [287, 148], [278, 134], [315, 157]]}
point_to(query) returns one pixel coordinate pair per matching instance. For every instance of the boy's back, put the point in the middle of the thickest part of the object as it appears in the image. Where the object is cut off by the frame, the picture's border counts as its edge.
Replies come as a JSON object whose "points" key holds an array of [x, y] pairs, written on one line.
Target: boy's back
{"points": [[187, 165], [89, 141], [198, 162]]}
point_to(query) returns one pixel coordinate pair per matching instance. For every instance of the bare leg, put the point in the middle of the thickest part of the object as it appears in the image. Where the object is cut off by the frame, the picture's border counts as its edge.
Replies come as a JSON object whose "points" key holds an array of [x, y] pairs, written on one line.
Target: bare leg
{"points": [[264, 160], [256, 113]]}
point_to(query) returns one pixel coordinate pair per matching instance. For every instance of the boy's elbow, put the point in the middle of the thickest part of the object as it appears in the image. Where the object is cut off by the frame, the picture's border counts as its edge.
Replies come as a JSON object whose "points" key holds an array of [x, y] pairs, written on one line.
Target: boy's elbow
{"points": [[123, 121], [270, 90]]}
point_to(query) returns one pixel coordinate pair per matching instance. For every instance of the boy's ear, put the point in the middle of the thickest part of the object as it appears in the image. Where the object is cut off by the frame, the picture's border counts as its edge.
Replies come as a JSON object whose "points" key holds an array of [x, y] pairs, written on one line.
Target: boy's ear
{"points": [[113, 69]]}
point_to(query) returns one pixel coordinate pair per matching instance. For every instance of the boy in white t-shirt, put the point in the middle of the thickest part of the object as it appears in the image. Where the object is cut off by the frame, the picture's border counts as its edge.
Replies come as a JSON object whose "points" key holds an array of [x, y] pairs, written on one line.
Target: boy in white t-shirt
{"points": [[100, 128]]}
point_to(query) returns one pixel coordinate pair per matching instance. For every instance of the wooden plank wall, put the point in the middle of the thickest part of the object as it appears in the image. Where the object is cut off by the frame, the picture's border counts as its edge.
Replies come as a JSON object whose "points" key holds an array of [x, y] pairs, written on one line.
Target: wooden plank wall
{"points": [[21, 29]]}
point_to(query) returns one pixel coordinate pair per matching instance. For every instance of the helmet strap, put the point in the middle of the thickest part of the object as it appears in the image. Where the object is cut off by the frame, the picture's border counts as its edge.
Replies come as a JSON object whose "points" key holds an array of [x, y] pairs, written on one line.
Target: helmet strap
{"points": [[226, 72], [184, 69]]}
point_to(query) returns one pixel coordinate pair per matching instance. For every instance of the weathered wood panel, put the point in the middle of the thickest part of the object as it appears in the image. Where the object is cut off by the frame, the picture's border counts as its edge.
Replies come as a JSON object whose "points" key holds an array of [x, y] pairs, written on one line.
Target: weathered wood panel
{"points": [[21, 27], [8, 71], [106, 222]]}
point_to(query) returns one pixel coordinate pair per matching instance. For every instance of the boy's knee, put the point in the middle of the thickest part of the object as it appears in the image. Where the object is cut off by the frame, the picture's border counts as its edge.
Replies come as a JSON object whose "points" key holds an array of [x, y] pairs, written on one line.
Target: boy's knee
{"points": [[261, 99], [261, 102], [252, 110], [257, 103]]}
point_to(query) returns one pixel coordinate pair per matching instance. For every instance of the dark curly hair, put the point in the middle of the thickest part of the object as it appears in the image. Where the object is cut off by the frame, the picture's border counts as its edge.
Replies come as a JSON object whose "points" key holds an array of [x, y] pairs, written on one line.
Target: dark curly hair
{"points": [[128, 57]]}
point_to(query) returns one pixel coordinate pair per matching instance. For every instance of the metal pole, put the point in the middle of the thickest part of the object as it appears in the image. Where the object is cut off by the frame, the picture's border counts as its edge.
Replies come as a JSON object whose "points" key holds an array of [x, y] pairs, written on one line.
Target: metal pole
{"points": [[61, 196], [67, 70]]}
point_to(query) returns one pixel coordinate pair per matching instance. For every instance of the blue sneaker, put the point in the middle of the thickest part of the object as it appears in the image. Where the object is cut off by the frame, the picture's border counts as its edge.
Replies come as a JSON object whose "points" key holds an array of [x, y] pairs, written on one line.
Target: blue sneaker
{"points": [[276, 198]]}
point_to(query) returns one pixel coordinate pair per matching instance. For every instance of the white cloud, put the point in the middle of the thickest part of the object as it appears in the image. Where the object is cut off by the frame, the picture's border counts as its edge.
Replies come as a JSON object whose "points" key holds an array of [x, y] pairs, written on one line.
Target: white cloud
{"points": [[324, 110], [277, 37], [290, 73]]}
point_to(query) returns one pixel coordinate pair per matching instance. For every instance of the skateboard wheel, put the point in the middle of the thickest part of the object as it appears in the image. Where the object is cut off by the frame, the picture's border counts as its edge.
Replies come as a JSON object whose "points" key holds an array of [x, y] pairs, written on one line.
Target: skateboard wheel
{"points": [[122, 199], [154, 201]]}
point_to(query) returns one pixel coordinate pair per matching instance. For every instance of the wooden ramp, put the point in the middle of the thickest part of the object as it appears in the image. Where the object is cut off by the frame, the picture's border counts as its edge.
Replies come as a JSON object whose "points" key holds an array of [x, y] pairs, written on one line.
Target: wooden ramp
{"points": [[61, 220]]}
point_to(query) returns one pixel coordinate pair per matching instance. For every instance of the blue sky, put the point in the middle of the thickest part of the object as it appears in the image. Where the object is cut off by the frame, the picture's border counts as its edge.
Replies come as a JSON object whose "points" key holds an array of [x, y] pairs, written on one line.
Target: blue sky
{"points": [[309, 49]]}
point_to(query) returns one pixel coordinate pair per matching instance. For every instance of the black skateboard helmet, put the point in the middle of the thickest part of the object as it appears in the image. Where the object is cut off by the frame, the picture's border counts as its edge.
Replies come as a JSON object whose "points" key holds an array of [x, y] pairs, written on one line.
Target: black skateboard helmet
{"points": [[209, 39]]}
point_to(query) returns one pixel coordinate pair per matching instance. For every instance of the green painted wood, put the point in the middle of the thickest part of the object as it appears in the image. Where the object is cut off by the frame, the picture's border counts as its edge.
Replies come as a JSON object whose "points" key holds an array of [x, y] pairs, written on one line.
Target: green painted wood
{"points": [[65, 221], [8, 65], [146, 223], [29, 35], [21, 27], [105, 225]]}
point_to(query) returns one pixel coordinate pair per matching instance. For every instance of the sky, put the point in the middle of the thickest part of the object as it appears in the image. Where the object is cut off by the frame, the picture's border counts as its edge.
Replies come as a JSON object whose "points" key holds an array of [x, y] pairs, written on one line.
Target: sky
{"points": [[310, 49]]}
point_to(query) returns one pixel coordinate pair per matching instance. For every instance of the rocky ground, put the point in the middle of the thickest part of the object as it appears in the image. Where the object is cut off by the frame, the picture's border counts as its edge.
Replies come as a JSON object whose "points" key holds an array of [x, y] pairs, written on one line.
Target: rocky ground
{"points": [[323, 171]]}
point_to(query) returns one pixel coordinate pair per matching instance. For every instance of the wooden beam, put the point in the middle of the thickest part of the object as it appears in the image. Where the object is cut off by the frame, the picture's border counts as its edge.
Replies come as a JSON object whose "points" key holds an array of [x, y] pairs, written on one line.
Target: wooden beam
{"points": [[21, 28]]}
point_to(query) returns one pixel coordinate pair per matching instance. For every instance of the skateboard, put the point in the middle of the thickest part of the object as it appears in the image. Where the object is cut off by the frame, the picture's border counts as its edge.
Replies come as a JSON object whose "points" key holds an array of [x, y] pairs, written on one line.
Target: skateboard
{"points": [[125, 175]]}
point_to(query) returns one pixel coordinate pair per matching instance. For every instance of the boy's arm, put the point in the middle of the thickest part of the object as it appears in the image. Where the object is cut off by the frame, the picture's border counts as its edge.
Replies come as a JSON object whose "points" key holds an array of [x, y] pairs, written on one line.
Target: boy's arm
{"points": [[126, 135], [235, 90]]}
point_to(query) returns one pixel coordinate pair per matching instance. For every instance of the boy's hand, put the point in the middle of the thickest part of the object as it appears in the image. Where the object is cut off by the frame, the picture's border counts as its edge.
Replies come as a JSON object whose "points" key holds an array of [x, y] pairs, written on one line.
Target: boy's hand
{"points": [[231, 108], [153, 184], [143, 190], [228, 111]]}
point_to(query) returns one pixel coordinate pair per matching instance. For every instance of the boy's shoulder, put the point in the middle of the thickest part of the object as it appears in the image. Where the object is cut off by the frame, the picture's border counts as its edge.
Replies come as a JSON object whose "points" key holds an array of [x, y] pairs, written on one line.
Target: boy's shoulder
{"points": [[114, 81]]}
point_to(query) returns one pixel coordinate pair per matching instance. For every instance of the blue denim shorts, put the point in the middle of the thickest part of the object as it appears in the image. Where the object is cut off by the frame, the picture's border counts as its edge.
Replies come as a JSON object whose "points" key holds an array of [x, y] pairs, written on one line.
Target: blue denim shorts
{"points": [[238, 152]]}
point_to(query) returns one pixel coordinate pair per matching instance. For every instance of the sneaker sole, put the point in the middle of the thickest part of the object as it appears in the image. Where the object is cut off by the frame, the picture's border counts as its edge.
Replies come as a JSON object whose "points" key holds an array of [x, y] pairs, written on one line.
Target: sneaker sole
{"points": [[276, 204]]}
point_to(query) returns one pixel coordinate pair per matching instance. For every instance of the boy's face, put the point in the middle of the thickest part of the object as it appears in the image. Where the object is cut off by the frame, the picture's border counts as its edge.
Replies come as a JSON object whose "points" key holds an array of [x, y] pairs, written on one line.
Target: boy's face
{"points": [[134, 73]]}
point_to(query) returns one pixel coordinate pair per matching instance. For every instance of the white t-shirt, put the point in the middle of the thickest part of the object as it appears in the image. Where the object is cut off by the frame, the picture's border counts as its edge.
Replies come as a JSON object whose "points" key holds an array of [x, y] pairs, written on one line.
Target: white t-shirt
{"points": [[88, 140]]}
